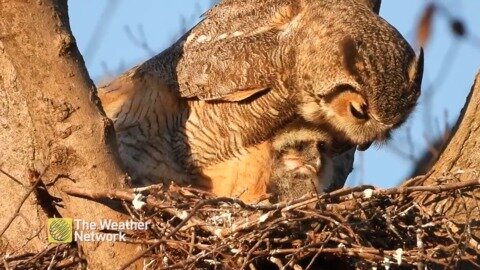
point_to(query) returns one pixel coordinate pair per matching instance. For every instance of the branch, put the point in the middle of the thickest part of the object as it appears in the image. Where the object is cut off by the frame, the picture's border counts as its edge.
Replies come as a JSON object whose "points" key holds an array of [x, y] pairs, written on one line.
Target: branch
{"points": [[22, 201]]}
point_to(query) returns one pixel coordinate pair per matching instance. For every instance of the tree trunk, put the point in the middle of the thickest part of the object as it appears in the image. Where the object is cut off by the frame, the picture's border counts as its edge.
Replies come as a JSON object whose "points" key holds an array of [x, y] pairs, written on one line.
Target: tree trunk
{"points": [[459, 161], [51, 126]]}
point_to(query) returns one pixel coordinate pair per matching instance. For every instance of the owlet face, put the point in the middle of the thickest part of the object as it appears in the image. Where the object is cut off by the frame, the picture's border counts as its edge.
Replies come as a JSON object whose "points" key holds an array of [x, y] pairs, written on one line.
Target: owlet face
{"points": [[302, 164]]}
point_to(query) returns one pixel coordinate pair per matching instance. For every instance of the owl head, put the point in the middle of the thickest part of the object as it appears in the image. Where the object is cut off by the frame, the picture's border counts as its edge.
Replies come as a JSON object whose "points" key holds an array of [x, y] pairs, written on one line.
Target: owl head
{"points": [[302, 157], [358, 76], [301, 163]]}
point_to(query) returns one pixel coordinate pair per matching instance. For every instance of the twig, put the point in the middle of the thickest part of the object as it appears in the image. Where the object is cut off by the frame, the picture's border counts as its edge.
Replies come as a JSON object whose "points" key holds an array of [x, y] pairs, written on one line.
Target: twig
{"points": [[319, 251], [250, 252], [22, 201], [119, 194], [5, 263], [52, 261], [12, 177]]}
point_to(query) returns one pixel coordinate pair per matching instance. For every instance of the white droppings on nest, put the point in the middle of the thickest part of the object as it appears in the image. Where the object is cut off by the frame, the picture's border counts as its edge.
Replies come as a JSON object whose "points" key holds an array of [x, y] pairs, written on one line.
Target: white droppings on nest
{"points": [[368, 193], [183, 215], [138, 202], [165, 261], [235, 250], [398, 255], [342, 246], [227, 216], [386, 263], [419, 243], [216, 220], [263, 218], [224, 218], [419, 239], [218, 232]]}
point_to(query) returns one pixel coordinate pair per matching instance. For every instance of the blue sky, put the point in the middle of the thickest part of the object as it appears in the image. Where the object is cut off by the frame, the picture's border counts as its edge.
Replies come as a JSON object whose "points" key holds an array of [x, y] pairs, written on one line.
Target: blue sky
{"points": [[110, 49]]}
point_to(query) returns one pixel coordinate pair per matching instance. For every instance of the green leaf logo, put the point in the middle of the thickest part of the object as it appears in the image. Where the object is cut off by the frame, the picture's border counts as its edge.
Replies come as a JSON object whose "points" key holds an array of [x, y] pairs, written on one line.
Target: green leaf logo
{"points": [[60, 230]]}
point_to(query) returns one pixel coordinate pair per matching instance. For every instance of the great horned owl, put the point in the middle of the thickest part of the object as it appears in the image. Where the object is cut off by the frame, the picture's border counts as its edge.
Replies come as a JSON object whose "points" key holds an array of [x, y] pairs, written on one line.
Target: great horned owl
{"points": [[248, 69], [301, 163]]}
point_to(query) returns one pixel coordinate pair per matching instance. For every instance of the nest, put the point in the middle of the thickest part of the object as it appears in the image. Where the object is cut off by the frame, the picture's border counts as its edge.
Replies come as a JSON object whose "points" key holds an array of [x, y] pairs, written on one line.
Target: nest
{"points": [[351, 228]]}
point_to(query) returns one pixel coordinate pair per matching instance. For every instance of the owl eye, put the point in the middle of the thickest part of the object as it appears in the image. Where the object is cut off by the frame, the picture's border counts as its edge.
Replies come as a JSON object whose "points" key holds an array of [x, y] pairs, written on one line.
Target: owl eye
{"points": [[299, 146], [322, 147], [359, 110]]}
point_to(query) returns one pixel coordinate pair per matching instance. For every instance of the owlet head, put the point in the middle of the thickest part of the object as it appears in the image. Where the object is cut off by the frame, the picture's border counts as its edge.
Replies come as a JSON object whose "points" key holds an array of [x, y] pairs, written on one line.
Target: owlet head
{"points": [[362, 83], [302, 150], [301, 162]]}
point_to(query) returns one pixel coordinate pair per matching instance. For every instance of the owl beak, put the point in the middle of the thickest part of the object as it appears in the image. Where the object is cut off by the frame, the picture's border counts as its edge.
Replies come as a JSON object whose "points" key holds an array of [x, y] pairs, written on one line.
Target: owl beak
{"points": [[364, 146]]}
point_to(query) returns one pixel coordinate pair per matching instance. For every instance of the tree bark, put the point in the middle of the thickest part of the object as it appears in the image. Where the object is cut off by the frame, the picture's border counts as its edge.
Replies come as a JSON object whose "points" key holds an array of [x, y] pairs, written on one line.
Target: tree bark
{"points": [[51, 126], [459, 161]]}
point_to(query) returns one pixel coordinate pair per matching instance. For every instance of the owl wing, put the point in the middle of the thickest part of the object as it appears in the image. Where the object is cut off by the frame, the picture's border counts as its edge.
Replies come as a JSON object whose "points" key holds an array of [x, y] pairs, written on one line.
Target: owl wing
{"points": [[136, 98], [233, 53]]}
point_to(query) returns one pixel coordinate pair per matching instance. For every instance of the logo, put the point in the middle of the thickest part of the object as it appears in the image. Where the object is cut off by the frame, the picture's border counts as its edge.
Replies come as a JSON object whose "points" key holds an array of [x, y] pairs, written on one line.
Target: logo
{"points": [[67, 230], [60, 230]]}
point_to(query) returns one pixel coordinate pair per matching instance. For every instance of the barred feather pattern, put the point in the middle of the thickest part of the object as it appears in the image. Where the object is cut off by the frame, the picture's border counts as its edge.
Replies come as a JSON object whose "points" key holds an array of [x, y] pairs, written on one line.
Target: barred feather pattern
{"points": [[162, 134]]}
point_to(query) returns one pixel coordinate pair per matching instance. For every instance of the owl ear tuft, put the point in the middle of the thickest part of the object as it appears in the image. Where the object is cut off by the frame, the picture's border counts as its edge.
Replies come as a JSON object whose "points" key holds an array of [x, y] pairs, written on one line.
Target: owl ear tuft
{"points": [[415, 71]]}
